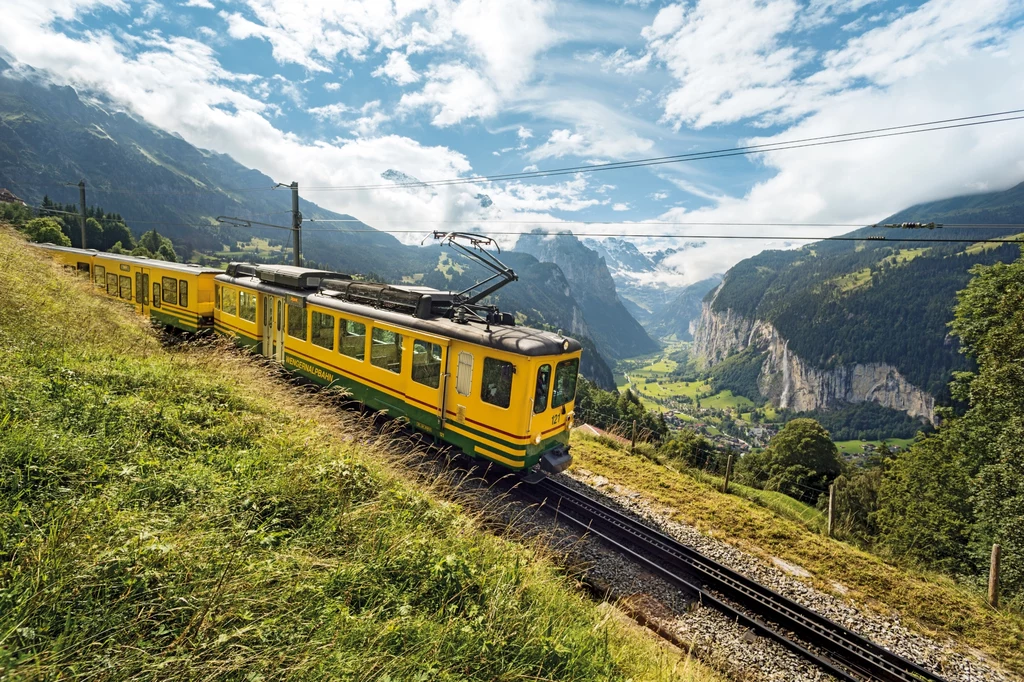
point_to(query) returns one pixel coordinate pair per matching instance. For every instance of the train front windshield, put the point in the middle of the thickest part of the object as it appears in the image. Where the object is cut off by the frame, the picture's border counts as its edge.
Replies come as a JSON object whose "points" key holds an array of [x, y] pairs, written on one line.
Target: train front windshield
{"points": [[565, 382]]}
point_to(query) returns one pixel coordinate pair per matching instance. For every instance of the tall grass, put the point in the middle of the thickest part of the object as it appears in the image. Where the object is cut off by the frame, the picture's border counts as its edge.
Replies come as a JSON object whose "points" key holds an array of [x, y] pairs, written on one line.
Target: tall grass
{"points": [[182, 514]]}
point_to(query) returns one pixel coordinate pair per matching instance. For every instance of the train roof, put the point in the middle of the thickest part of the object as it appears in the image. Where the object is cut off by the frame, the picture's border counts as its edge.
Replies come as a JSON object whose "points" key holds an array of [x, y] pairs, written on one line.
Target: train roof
{"points": [[414, 307], [190, 268]]}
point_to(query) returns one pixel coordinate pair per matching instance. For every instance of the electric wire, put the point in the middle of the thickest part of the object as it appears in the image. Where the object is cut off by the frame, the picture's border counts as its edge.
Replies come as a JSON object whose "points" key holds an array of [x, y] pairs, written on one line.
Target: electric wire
{"points": [[631, 235], [890, 131]]}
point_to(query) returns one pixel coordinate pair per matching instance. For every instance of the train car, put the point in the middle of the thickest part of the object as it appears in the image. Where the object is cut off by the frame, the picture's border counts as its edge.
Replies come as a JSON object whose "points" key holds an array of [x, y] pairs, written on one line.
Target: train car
{"points": [[496, 391], [457, 370], [177, 295]]}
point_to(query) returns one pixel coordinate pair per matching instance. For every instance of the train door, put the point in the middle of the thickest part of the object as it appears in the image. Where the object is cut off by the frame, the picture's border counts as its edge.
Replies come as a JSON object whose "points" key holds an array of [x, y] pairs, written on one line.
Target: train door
{"points": [[142, 290], [427, 371], [273, 327]]}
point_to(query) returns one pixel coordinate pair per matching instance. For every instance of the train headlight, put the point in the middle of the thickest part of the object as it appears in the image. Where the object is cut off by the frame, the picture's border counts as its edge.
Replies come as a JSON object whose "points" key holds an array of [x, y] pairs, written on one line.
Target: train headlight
{"points": [[536, 439], [565, 344]]}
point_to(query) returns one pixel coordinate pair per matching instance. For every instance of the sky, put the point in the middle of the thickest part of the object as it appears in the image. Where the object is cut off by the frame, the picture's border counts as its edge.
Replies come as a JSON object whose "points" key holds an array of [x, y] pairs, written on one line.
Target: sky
{"points": [[334, 93]]}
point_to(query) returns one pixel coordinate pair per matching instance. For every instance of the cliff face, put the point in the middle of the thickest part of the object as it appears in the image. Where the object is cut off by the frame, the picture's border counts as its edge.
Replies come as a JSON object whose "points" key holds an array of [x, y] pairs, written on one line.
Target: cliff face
{"points": [[790, 382], [615, 332]]}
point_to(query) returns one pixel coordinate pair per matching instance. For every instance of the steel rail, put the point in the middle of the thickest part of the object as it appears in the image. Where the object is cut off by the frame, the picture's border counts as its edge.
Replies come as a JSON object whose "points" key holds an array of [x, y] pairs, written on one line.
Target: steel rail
{"points": [[849, 656]]}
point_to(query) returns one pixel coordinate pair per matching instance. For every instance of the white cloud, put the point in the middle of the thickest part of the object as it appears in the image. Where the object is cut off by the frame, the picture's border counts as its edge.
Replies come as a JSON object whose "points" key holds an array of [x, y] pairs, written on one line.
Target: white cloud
{"points": [[726, 56], [204, 4], [863, 182], [314, 33], [363, 122], [621, 61], [531, 168], [620, 207], [524, 133], [508, 35], [332, 86], [732, 60], [562, 196], [589, 140], [453, 93], [398, 69], [658, 196]]}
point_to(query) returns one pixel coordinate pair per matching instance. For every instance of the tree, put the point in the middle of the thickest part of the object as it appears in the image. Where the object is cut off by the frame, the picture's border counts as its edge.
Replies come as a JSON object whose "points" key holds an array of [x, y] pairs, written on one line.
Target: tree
{"points": [[46, 231], [16, 214], [924, 509], [117, 232], [691, 449], [948, 498], [801, 461], [158, 245]]}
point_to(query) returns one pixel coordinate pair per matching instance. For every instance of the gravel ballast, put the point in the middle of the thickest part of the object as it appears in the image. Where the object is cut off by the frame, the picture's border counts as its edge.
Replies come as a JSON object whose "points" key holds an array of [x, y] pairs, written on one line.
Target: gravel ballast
{"points": [[717, 639]]}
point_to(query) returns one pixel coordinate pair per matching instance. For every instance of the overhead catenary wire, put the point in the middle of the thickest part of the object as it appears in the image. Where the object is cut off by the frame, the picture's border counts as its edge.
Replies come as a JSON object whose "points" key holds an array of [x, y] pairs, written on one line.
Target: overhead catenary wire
{"points": [[643, 235], [839, 138], [822, 140]]}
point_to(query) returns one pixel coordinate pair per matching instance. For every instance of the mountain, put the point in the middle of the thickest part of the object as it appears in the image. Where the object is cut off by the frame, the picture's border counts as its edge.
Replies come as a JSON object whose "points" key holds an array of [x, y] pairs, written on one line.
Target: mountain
{"points": [[643, 281], [846, 322], [678, 318], [614, 331], [50, 135]]}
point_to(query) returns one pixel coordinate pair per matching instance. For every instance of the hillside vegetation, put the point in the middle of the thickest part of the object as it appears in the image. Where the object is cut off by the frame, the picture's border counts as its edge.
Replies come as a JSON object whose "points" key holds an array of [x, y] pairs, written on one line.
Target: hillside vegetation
{"points": [[180, 513], [859, 302]]}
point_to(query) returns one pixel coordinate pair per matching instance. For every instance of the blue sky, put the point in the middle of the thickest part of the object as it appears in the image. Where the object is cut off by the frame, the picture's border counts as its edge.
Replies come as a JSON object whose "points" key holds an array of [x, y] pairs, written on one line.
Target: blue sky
{"points": [[334, 93]]}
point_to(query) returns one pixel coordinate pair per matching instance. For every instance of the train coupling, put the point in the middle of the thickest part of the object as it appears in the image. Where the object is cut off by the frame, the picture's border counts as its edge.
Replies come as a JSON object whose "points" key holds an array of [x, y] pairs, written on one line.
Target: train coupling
{"points": [[556, 461]]}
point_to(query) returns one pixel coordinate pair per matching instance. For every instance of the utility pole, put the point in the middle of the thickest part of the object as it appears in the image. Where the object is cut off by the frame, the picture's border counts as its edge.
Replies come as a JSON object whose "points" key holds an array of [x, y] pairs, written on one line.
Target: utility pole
{"points": [[831, 507], [728, 474], [296, 225], [993, 578], [632, 444], [81, 201]]}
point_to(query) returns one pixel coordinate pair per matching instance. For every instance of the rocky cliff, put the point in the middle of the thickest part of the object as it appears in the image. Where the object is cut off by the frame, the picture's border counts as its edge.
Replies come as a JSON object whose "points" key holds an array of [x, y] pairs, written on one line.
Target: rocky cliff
{"points": [[790, 382], [614, 330]]}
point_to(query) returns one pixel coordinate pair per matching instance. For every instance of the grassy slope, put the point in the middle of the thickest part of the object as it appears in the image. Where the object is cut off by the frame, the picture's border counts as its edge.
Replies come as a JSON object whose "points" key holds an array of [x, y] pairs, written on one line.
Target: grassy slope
{"points": [[182, 514], [932, 604]]}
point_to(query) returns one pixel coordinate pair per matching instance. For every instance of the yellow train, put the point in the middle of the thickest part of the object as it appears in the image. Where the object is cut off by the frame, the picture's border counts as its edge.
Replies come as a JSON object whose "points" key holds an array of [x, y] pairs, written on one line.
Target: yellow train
{"points": [[460, 372]]}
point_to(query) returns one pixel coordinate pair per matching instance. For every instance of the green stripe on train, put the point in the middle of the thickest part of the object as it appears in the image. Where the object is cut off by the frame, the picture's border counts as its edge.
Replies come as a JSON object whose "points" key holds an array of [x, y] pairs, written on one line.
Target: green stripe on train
{"points": [[422, 419]]}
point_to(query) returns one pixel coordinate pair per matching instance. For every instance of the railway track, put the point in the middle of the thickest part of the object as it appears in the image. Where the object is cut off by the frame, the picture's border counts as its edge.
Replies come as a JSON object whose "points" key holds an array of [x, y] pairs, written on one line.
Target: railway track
{"points": [[832, 647]]}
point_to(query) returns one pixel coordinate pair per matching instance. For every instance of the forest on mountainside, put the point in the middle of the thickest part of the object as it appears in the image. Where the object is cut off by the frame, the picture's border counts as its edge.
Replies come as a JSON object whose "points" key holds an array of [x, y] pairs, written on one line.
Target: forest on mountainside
{"points": [[837, 303]]}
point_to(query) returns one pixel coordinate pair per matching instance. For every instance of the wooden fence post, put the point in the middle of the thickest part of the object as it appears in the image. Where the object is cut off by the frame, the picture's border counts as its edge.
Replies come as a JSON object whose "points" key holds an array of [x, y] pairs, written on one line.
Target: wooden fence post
{"points": [[831, 507], [632, 445], [728, 472], [993, 578]]}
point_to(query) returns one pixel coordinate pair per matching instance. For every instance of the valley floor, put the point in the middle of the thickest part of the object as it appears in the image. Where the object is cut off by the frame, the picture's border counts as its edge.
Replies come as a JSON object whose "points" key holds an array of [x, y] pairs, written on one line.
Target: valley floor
{"points": [[183, 513]]}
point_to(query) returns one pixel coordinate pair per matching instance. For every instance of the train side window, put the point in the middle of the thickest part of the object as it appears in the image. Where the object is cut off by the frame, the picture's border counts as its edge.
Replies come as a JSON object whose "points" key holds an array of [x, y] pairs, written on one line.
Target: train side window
{"points": [[352, 340], [565, 382], [386, 349], [228, 304], [100, 274], [156, 294], [426, 363], [496, 388], [170, 291], [322, 330], [140, 290], [111, 284], [126, 287], [183, 293], [83, 268], [296, 321], [216, 296], [464, 376], [540, 397], [247, 306]]}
